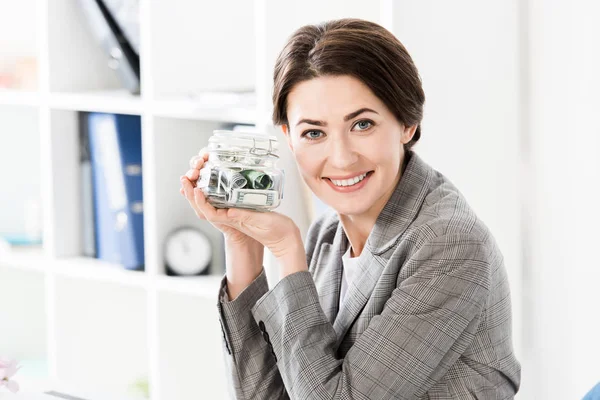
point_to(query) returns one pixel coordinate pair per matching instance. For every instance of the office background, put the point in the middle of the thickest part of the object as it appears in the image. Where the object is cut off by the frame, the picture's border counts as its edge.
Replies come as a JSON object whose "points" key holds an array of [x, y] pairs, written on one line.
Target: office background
{"points": [[510, 117]]}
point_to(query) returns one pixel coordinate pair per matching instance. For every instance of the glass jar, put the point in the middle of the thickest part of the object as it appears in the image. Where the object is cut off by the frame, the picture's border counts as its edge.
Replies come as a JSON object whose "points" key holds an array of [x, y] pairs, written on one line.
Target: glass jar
{"points": [[241, 171]]}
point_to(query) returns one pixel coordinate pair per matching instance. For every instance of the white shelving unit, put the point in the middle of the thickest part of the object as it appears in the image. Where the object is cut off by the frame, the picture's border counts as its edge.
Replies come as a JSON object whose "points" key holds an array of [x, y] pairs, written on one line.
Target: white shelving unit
{"points": [[98, 328]]}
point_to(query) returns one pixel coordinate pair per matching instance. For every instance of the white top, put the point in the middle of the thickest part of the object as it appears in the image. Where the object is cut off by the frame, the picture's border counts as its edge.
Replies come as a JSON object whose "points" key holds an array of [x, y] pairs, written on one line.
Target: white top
{"points": [[349, 266]]}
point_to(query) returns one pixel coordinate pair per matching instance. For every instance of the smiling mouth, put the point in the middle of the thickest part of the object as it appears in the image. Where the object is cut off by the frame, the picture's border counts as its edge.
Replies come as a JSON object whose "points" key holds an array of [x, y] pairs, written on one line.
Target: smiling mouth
{"points": [[351, 181]]}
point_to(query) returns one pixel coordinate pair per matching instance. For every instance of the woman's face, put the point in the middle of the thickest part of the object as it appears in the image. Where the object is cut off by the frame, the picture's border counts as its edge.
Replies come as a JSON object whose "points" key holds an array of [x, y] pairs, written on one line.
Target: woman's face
{"points": [[347, 144]]}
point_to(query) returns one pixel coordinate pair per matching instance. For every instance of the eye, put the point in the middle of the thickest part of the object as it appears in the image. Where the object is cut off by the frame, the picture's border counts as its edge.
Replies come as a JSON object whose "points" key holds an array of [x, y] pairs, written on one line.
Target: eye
{"points": [[364, 124], [312, 135]]}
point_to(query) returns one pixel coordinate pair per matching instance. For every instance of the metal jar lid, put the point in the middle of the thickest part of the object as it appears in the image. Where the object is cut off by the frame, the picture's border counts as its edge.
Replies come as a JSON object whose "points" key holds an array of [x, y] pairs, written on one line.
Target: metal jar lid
{"points": [[245, 142]]}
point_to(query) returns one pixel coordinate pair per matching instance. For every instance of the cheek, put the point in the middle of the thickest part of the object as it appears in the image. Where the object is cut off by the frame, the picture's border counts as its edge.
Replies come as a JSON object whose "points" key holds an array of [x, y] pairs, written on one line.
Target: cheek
{"points": [[308, 162], [387, 150]]}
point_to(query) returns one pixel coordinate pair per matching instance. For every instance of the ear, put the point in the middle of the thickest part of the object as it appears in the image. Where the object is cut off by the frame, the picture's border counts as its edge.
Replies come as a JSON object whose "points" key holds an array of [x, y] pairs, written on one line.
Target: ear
{"points": [[408, 133], [286, 132]]}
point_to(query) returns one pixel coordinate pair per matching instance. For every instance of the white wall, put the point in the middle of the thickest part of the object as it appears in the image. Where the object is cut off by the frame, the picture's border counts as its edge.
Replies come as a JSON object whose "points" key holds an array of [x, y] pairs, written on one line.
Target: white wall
{"points": [[467, 53], [563, 273]]}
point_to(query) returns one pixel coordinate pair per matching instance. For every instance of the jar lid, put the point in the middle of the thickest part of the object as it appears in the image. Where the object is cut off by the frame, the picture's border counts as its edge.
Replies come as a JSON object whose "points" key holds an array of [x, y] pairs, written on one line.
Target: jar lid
{"points": [[254, 143]]}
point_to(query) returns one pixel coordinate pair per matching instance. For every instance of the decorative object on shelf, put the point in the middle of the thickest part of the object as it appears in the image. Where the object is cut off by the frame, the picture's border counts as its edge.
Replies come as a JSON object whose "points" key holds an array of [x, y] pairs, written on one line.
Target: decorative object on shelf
{"points": [[31, 234], [116, 156], [8, 369], [9, 242], [20, 74], [121, 55], [188, 251], [140, 388], [241, 171]]}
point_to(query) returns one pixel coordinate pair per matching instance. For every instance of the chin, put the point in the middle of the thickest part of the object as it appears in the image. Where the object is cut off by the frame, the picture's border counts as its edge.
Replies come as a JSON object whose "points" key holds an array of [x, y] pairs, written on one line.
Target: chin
{"points": [[350, 207]]}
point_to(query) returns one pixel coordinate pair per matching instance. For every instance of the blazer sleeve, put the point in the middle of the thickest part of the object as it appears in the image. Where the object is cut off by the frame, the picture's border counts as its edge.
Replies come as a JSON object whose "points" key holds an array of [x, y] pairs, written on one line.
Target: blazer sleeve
{"points": [[250, 361], [428, 322]]}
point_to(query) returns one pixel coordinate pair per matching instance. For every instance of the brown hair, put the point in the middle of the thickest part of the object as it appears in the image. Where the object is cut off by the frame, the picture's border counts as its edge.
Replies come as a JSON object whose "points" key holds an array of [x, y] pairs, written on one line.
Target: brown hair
{"points": [[355, 47]]}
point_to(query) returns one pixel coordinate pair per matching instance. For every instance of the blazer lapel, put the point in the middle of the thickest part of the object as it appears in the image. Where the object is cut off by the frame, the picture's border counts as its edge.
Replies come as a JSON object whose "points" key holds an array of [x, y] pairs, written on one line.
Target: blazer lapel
{"points": [[329, 273], [400, 210], [358, 292]]}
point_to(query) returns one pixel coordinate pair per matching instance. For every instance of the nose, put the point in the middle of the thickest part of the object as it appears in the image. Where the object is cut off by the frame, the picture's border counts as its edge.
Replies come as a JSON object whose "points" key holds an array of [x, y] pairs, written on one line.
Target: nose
{"points": [[341, 153]]}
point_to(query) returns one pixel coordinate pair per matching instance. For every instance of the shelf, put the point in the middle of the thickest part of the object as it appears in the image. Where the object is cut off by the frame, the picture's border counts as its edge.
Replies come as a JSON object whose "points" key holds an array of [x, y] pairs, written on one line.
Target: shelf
{"points": [[87, 268], [110, 101], [206, 286], [30, 258], [19, 98], [99, 271], [222, 107]]}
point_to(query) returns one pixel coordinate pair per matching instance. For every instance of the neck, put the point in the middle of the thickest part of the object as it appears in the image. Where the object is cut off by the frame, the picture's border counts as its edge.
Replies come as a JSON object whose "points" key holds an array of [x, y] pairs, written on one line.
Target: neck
{"points": [[358, 227]]}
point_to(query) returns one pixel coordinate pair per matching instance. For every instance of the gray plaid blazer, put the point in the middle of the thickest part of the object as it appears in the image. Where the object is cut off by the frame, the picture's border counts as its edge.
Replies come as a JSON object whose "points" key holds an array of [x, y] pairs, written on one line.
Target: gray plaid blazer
{"points": [[429, 317]]}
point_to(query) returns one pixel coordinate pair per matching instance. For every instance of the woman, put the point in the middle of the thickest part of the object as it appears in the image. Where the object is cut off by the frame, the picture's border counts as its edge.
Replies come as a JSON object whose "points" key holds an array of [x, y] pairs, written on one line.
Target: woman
{"points": [[401, 291]]}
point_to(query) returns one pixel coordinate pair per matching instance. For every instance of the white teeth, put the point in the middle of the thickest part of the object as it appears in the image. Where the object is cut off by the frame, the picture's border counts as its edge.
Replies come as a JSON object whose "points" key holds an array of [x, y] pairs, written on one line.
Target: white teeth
{"points": [[348, 182]]}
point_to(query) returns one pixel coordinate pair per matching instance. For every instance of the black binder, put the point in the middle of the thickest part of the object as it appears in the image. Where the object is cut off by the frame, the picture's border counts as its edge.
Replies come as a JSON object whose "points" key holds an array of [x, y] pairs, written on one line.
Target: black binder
{"points": [[121, 55]]}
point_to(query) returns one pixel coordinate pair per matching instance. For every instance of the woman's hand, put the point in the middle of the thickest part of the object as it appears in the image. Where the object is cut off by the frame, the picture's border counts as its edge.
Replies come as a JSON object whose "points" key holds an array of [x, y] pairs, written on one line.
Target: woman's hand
{"points": [[243, 255], [276, 232], [203, 209], [248, 229]]}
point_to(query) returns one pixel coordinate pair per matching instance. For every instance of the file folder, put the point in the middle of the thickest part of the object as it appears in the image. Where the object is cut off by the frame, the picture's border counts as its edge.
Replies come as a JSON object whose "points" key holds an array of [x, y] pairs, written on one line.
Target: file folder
{"points": [[116, 157]]}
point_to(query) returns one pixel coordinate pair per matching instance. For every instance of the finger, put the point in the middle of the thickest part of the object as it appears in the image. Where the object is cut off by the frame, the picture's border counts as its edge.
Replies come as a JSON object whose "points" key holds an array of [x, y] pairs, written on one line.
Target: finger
{"points": [[210, 212], [215, 215], [197, 160], [188, 190], [193, 175]]}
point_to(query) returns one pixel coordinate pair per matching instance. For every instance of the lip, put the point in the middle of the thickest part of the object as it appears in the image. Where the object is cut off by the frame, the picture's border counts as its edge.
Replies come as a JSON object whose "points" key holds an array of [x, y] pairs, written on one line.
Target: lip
{"points": [[348, 189]]}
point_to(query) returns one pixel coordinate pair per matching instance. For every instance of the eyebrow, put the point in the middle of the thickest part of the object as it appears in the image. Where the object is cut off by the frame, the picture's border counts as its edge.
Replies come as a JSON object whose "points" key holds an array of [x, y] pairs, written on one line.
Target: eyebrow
{"points": [[346, 118]]}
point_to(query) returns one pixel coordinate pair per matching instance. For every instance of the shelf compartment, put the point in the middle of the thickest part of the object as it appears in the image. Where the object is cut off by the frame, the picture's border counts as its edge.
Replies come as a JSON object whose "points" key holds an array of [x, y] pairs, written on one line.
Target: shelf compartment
{"points": [[19, 30], [176, 141], [22, 296], [191, 358], [20, 166], [101, 340], [198, 62], [77, 61]]}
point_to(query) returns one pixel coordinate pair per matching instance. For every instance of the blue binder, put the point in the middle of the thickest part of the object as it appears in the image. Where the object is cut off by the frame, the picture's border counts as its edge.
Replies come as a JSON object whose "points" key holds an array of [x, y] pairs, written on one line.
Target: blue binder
{"points": [[116, 155]]}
